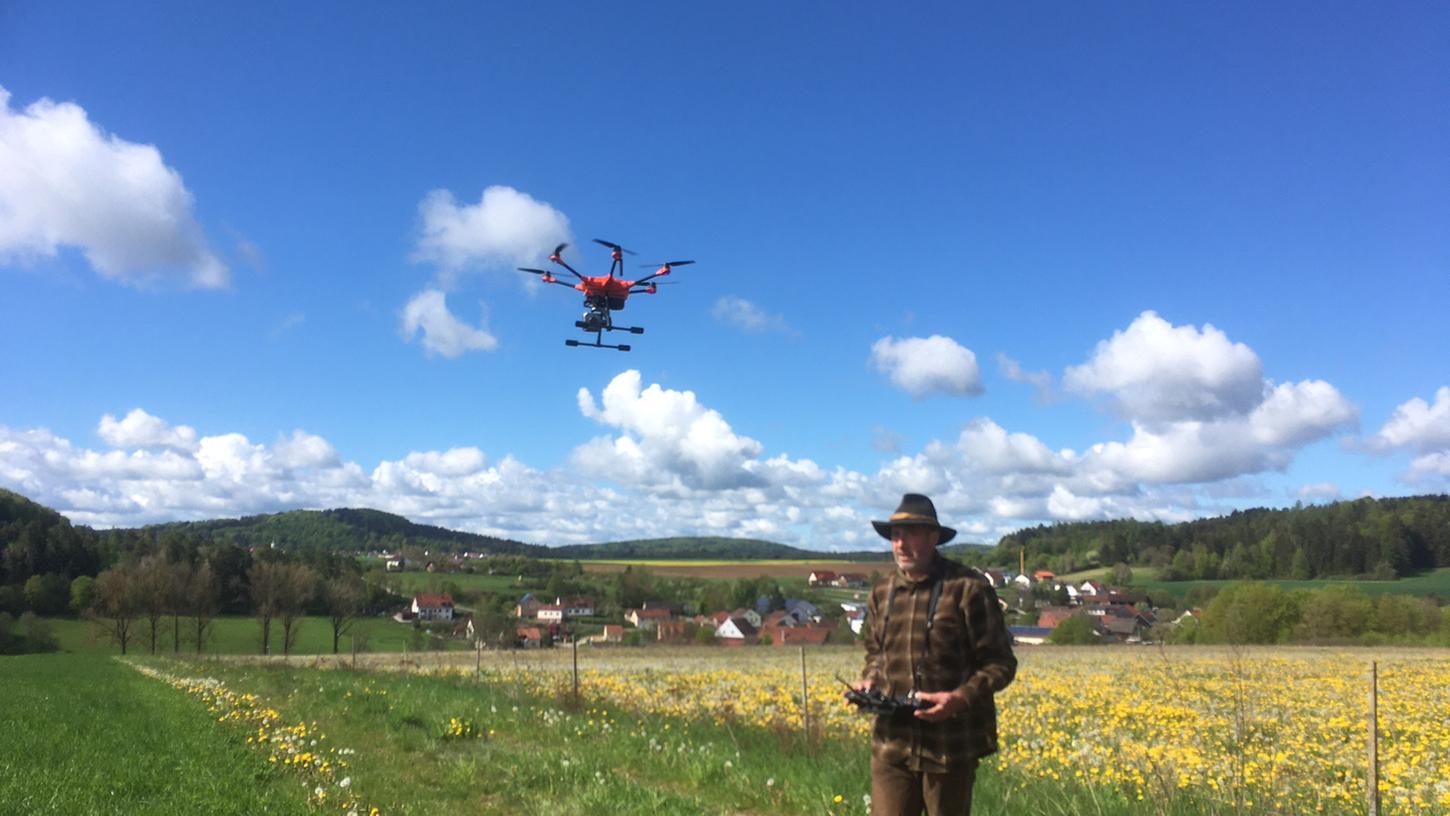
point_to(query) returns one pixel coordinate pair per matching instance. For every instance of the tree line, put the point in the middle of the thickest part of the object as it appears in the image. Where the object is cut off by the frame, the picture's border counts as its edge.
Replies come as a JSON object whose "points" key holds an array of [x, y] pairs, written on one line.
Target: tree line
{"points": [[1377, 538]]}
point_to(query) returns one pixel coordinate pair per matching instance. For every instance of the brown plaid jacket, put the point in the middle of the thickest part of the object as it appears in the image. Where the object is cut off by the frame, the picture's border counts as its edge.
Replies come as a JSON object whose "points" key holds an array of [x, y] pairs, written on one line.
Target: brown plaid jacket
{"points": [[970, 650]]}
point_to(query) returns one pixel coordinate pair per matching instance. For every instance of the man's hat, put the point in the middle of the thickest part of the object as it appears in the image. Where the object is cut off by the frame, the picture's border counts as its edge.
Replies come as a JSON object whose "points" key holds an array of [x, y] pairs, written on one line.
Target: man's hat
{"points": [[916, 510]]}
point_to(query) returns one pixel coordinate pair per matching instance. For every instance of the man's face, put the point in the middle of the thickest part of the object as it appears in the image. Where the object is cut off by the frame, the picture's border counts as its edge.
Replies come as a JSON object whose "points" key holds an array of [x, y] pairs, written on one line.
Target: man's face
{"points": [[914, 547]]}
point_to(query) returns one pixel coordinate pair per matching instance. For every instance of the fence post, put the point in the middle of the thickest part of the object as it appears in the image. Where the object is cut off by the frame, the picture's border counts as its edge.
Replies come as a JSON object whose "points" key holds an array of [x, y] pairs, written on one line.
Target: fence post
{"points": [[575, 642], [805, 698], [1372, 795], [354, 652]]}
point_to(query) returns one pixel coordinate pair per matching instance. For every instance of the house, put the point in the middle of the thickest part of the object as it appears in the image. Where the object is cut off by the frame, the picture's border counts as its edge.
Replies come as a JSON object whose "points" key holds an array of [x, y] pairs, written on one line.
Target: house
{"points": [[736, 631], [996, 578], [1024, 580], [551, 613], [803, 610], [1044, 575], [1091, 587], [613, 633], [463, 628], [527, 607], [427, 606], [778, 618], [750, 615], [529, 637], [821, 578], [576, 607], [670, 631], [647, 618], [397, 564], [1050, 617], [1073, 593], [853, 580], [796, 635]]}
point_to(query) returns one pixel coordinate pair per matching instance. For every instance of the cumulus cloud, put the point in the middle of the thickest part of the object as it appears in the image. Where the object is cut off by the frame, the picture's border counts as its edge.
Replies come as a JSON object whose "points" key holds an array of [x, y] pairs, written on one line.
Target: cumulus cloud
{"points": [[922, 366], [746, 316], [1158, 372], [1418, 425], [505, 228], [668, 435], [139, 429], [1421, 427], [443, 334], [66, 183]]}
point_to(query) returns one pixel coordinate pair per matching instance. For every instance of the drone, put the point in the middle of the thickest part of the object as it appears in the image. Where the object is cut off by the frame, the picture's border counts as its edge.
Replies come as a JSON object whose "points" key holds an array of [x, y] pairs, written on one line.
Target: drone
{"points": [[604, 294]]}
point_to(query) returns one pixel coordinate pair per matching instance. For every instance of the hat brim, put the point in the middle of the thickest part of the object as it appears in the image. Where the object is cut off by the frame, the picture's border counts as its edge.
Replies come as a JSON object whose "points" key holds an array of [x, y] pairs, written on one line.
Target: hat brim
{"points": [[883, 528]]}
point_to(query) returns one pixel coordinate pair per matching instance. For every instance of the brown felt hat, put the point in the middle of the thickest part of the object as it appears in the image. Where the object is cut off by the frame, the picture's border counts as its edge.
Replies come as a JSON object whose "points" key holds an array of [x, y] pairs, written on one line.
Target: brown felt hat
{"points": [[915, 510]]}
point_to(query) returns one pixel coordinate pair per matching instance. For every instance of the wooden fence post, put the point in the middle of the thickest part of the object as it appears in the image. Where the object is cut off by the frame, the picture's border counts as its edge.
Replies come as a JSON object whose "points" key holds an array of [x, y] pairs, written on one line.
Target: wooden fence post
{"points": [[354, 652], [805, 698], [1372, 794], [575, 642]]}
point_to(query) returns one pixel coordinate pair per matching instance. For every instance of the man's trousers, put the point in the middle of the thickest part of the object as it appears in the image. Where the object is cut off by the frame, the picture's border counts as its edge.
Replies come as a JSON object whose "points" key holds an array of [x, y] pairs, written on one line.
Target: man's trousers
{"points": [[898, 791]]}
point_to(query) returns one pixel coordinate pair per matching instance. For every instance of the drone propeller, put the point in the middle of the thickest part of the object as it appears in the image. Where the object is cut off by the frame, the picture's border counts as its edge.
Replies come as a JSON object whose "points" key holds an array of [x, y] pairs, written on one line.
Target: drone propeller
{"points": [[534, 271], [667, 264], [613, 246], [557, 257]]}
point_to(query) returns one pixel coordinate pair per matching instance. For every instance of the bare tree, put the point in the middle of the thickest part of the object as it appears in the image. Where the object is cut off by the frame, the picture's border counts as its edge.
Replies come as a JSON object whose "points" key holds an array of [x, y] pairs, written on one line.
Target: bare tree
{"points": [[117, 603], [345, 597], [203, 601], [299, 587], [266, 582], [152, 580], [177, 579]]}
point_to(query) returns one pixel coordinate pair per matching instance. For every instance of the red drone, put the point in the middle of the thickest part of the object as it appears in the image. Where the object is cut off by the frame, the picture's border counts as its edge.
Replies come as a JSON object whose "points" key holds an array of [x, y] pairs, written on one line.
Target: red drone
{"points": [[604, 294]]}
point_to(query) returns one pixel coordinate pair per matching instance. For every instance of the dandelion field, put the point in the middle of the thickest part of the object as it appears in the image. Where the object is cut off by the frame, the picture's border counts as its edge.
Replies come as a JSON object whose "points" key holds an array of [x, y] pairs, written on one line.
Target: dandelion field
{"points": [[709, 730]]}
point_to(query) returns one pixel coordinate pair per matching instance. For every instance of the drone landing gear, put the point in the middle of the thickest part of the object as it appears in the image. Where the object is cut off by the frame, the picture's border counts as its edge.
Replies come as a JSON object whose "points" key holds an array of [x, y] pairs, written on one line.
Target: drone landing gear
{"points": [[595, 344], [596, 329]]}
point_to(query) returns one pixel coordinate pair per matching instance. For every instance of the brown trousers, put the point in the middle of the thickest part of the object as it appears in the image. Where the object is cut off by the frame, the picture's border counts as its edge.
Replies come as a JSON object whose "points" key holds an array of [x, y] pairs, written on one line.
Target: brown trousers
{"points": [[899, 791]]}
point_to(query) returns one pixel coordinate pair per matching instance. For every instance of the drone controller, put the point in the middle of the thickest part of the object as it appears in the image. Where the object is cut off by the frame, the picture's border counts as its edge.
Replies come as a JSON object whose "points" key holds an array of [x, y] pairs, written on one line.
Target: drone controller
{"points": [[873, 701]]}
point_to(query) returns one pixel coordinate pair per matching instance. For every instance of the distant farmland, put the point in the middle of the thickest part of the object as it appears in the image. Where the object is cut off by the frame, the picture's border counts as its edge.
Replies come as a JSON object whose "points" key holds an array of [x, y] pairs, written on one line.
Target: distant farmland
{"points": [[801, 568]]}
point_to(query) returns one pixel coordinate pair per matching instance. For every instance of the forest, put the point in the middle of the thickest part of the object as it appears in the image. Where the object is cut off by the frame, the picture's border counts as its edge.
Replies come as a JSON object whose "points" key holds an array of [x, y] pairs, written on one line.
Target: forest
{"points": [[1381, 539]]}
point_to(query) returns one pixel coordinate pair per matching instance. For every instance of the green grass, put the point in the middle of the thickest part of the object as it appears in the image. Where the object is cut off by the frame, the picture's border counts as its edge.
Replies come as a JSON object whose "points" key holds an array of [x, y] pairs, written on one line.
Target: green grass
{"points": [[87, 734], [408, 583], [236, 635], [1436, 582]]}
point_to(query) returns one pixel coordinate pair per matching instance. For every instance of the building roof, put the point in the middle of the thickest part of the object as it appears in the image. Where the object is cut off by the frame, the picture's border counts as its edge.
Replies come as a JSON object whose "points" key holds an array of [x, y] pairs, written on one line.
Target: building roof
{"points": [[426, 600]]}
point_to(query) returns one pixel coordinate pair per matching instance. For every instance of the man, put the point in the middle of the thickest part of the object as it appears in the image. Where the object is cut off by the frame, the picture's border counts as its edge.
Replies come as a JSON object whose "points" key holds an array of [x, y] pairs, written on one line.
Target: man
{"points": [[934, 633]]}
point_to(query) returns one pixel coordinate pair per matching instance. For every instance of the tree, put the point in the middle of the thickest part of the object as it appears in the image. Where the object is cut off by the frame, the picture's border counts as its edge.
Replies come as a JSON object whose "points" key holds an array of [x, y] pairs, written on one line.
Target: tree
{"points": [[265, 579], [1250, 612], [1077, 630], [117, 603], [1122, 574], [47, 594], [203, 601], [344, 597], [153, 586], [82, 593], [1335, 613], [298, 588]]}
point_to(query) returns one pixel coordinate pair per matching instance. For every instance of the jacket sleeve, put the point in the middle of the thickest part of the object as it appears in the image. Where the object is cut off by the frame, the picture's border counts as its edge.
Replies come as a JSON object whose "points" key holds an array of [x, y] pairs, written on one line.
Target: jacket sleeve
{"points": [[991, 644], [872, 637]]}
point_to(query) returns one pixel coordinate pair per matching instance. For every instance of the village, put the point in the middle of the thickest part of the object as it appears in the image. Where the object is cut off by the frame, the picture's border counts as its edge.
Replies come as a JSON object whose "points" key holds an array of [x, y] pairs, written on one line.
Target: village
{"points": [[1035, 604]]}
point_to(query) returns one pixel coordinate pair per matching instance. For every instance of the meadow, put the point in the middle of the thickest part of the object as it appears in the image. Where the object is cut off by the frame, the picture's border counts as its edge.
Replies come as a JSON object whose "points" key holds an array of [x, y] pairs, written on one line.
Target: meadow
{"points": [[1101, 731]]}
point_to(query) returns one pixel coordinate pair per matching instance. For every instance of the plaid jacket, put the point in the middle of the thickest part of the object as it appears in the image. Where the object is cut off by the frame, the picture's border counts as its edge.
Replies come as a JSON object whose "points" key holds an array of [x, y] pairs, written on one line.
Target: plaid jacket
{"points": [[970, 650]]}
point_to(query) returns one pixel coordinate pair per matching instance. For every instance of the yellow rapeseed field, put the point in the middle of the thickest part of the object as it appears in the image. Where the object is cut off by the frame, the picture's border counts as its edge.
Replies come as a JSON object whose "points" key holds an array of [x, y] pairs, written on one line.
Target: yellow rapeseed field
{"points": [[1260, 730]]}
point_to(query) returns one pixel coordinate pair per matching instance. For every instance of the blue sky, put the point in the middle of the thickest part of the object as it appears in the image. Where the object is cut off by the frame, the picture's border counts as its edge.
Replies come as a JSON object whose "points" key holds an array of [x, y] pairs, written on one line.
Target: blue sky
{"points": [[1045, 263]]}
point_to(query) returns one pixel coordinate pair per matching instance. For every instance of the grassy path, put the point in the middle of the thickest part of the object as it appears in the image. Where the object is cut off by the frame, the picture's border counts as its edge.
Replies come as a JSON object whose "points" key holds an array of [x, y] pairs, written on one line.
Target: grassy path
{"points": [[87, 734]]}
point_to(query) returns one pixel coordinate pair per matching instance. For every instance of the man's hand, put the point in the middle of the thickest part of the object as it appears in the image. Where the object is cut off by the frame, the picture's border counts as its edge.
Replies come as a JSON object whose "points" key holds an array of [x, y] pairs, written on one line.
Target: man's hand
{"points": [[944, 705], [859, 685]]}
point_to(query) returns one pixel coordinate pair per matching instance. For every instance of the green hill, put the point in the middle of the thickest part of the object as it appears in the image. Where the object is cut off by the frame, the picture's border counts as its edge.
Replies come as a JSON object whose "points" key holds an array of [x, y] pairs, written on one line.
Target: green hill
{"points": [[703, 548]]}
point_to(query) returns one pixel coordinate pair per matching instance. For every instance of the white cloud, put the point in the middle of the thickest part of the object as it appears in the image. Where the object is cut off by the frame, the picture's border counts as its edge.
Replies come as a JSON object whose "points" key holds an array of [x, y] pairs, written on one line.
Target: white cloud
{"points": [[1320, 491], [505, 228], [443, 334], [746, 316], [1158, 372], [922, 366], [65, 183], [1418, 425], [669, 435], [141, 430], [1429, 465]]}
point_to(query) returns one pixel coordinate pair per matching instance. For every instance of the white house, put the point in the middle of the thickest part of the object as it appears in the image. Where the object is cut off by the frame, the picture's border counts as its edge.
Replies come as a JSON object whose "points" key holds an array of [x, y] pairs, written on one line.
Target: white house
{"points": [[737, 630], [647, 618], [579, 607], [553, 613], [432, 607]]}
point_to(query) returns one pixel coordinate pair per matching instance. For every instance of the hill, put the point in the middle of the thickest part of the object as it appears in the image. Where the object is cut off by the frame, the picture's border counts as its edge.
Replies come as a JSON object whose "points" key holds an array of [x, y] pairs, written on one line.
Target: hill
{"points": [[701, 549], [1381, 538], [344, 529]]}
